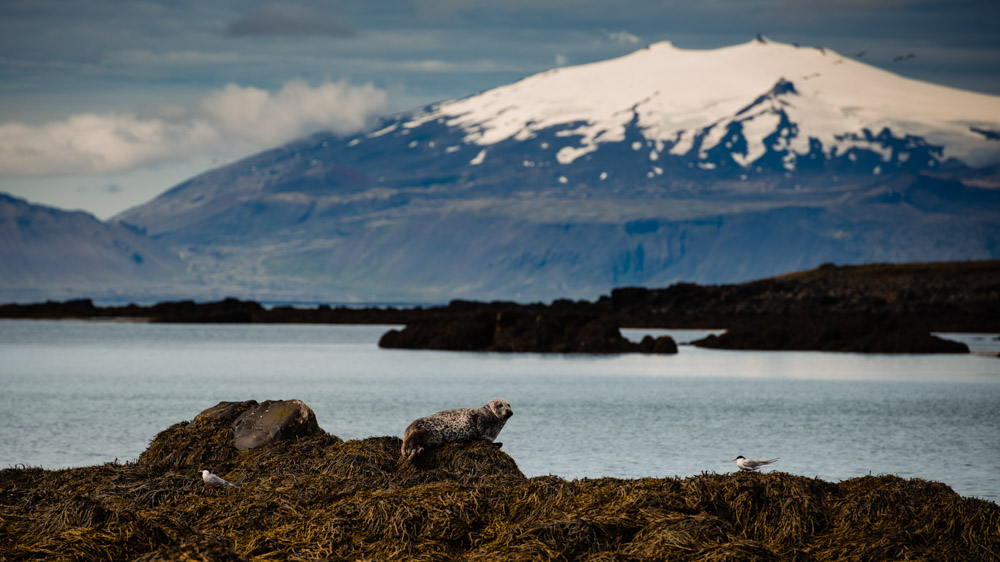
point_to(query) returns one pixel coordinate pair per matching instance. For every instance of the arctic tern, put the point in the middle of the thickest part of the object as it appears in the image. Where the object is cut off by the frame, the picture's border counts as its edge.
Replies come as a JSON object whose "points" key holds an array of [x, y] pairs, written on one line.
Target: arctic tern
{"points": [[749, 465]]}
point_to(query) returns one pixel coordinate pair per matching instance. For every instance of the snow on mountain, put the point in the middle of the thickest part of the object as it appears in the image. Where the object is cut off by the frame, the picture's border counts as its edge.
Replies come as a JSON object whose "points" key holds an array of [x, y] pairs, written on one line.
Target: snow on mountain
{"points": [[689, 102]]}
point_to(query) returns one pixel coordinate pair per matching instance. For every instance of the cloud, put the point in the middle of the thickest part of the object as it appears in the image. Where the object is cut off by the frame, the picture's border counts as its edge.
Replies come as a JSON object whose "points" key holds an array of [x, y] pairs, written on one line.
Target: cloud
{"points": [[623, 37], [229, 122], [288, 20]]}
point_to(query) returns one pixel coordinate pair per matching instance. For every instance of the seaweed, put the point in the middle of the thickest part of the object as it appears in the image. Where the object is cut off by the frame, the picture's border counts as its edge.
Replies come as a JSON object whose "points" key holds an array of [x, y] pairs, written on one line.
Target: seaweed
{"points": [[319, 497]]}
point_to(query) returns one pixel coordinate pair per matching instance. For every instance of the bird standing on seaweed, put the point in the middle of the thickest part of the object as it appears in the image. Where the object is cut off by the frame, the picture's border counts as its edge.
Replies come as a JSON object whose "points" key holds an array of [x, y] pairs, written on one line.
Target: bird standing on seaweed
{"points": [[211, 480], [750, 465]]}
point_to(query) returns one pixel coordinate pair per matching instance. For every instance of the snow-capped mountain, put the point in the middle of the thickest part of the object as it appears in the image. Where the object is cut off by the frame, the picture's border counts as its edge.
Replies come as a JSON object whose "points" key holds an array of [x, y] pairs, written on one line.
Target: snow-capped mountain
{"points": [[660, 166], [731, 107]]}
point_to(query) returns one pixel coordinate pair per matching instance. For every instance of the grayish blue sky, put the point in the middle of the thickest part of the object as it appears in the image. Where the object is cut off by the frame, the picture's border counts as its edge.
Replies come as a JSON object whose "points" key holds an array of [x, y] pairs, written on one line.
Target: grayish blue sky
{"points": [[105, 103]]}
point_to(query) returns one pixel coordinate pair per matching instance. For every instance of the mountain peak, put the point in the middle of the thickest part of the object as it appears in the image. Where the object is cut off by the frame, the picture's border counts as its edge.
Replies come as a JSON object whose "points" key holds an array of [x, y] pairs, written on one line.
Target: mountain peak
{"points": [[673, 95]]}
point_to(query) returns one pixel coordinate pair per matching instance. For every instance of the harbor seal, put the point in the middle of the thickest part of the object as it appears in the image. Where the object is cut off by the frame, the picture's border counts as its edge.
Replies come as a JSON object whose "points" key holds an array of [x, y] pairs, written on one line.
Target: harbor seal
{"points": [[456, 426]]}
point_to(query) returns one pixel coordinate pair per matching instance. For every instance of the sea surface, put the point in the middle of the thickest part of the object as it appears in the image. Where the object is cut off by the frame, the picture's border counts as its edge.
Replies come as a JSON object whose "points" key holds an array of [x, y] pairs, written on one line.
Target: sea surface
{"points": [[75, 393]]}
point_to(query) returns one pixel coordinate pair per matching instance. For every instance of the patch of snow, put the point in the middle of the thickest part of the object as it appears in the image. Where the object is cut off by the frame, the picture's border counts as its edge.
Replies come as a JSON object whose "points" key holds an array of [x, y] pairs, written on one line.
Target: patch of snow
{"points": [[479, 158], [568, 154], [636, 146], [563, 180], [451, 149], [604, 176], [788, 161], [384, 131], [715, 135], [354, 142], [684, 143]]}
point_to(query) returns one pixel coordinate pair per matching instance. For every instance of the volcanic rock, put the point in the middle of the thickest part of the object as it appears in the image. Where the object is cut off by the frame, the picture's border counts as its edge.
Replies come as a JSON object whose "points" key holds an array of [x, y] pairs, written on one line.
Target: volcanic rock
{"points": [[513, 330], [273, 421], [832, 332]]}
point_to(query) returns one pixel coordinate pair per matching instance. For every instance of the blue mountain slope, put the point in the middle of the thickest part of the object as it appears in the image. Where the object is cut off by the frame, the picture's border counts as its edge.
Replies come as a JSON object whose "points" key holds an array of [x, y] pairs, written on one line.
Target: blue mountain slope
{"points": [[51, 253]]}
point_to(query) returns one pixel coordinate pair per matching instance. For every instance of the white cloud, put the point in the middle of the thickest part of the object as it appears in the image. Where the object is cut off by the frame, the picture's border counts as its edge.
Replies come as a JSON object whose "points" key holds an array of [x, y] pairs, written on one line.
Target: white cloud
{"points": [[561, 60], [623, 37], [234, 120]]}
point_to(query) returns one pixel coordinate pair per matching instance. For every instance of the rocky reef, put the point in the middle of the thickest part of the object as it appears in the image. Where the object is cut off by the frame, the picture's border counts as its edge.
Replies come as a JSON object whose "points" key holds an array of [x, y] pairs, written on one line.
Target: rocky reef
{"points": [[315, 496], [517, 330], [830, 308], [833, 332]]}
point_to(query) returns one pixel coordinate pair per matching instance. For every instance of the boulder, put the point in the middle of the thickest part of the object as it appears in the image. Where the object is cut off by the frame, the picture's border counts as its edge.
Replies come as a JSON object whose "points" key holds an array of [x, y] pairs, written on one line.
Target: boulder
{"points": [[274, 421], [663, 345], [223, 411]]}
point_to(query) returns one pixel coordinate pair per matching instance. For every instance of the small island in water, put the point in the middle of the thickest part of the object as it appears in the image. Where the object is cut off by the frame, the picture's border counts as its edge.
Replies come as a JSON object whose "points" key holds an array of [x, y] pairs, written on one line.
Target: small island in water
{"points": [[879, 308], [306, 494]]}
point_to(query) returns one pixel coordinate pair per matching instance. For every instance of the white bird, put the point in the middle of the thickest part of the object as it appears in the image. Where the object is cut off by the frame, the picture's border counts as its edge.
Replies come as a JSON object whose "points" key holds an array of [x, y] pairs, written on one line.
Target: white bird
{"points": [[212, 480], [751, 465]]}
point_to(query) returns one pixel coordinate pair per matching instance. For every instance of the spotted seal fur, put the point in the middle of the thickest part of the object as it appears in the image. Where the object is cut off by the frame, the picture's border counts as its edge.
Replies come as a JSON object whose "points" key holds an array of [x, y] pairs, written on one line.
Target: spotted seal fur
{"points": [[456, 426]]}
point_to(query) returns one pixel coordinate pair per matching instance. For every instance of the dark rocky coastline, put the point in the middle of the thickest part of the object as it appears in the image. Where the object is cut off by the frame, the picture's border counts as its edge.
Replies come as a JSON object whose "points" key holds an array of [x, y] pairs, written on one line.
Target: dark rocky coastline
{"points": [[830, 308], [514, 330], [315, 496]]}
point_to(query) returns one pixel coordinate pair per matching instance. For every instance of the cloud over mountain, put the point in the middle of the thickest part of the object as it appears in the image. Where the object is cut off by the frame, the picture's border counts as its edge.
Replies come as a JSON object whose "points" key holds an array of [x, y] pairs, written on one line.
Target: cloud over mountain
{"points": [[229, 122]]}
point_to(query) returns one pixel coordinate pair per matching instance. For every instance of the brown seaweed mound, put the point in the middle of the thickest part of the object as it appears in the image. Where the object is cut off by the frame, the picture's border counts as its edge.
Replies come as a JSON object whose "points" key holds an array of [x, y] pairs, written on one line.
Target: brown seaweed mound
{"points": [[320, 497]]}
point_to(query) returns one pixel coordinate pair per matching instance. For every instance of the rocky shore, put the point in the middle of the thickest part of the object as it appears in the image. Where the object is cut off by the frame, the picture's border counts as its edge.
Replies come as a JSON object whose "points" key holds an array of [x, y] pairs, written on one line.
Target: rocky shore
{"points": [[883, 308], [306, 494]]}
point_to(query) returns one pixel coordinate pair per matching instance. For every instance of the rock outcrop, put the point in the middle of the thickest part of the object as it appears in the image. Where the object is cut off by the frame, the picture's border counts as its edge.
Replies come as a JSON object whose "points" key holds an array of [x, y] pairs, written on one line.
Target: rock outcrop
{"points": [[514, 330], [832, 332], [274, 421], [212, 441]]}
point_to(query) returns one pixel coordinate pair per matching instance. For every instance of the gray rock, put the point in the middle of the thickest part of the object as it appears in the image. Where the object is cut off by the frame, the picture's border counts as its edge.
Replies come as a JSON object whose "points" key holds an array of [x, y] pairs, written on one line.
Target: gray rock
{"points": [[223, 411], [274, 421]]}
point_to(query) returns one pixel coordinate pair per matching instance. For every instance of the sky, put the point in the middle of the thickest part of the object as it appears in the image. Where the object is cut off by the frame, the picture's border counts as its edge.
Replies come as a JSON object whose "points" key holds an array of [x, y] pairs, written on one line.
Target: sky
{"points": [[105, 104]]}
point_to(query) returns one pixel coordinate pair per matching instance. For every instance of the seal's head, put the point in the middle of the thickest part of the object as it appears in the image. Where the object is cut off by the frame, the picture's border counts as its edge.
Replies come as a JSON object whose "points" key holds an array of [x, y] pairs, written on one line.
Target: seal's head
{"points": [[500, 408]]}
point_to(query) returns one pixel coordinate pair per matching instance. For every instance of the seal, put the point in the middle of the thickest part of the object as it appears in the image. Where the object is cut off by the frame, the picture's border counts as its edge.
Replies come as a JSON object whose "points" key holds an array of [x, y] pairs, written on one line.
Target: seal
{"points": [[456, 426]]}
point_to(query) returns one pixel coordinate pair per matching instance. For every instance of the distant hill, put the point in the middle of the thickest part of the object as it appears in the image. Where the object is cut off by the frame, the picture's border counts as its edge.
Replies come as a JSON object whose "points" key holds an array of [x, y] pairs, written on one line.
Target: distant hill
{"points": [[49, 253]]}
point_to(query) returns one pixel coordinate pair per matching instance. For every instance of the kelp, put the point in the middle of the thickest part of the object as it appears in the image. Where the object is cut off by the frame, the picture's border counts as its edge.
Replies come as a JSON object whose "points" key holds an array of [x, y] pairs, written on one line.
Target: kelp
{"points": [[324, 498]]}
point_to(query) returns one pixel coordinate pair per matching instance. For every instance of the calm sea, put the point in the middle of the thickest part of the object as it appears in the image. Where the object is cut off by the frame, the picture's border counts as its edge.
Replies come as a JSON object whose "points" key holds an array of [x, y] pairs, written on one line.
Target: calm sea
{"points": [[80, 393]]}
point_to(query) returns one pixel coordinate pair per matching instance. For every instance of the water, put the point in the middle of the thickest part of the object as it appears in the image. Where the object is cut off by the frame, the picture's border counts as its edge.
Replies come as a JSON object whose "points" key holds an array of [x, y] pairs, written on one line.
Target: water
{"points": [[83, 393]]}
